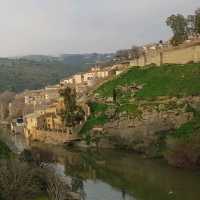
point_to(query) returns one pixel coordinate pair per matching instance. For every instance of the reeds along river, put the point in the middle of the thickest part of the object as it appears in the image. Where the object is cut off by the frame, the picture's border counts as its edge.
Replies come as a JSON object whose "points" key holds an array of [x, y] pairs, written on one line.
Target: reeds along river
{"points": [[115, 175]]}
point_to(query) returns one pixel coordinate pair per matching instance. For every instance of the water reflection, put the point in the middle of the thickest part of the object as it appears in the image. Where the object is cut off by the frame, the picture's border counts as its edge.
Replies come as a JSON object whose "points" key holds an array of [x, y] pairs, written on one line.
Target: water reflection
{"points": [[115, 175], [17, 143], [112, 175]]}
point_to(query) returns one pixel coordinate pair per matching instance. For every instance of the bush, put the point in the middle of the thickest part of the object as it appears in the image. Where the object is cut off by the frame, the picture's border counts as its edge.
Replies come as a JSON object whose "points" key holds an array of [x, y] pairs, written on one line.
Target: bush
{"points": [[5, 152], [18, 180], [184, 151]]}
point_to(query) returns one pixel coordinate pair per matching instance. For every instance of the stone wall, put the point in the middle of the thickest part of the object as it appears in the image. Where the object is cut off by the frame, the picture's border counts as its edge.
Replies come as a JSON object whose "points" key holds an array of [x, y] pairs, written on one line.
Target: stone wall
{"points": [[54, 137], [178, 55], [157, 120]]}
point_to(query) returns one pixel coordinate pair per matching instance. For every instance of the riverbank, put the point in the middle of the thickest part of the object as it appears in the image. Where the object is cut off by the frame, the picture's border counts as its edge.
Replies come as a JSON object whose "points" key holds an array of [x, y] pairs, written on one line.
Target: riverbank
{"points": [[113, 174], [38, 181], [153, 111]]}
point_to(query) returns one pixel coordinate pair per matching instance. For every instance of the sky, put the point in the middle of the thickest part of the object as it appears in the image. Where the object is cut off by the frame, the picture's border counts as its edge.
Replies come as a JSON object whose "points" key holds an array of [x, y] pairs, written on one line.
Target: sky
{"points": [[55, 27]]}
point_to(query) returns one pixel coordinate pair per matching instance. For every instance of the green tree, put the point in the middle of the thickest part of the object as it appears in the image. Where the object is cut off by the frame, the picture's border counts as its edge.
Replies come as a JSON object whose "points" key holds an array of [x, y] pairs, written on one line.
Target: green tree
{"points": [[72, 113], [178, 24], [114, 95], [197, 20]]}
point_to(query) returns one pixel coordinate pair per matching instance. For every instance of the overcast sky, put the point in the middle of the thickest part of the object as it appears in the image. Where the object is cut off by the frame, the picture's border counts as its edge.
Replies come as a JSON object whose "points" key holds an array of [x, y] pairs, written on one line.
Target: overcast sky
{"points": [[82, 26]]}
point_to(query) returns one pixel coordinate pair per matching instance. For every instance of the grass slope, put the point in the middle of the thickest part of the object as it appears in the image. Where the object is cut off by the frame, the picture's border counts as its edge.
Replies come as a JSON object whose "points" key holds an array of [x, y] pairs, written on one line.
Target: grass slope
{"points": [[97, 117], [167, 80]]}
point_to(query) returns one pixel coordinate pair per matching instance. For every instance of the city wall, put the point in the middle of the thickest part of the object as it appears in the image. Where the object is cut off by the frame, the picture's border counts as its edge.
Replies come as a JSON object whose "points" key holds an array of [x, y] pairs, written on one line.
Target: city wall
{"points": [[177, 55]]}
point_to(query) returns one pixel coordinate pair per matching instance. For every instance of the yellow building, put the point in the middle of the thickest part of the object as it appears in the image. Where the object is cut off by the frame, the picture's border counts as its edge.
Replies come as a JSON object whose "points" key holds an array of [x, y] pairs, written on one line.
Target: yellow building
{"points": [[47, 126], [31, 123]]}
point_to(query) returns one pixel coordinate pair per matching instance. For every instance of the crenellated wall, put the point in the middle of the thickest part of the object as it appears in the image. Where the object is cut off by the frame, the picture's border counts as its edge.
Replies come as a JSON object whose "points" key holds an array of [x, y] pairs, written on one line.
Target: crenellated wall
{"points": [[178, 55]]}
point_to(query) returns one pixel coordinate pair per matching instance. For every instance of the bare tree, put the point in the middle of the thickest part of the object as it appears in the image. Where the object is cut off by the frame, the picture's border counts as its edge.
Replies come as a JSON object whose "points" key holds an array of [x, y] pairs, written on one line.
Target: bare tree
{"points": [[57, 189], [136, 52], [18, 181]]}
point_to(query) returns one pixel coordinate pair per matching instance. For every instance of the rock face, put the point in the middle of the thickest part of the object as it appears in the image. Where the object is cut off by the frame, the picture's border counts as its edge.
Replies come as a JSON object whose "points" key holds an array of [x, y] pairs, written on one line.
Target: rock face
{"points": [[150, 122], [142, 132]]}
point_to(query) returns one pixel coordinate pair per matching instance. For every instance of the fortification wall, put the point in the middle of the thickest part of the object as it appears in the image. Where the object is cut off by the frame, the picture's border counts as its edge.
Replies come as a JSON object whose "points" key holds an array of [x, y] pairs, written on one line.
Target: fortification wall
{"points": [[182, 56], [178, 55], [53, 137]]}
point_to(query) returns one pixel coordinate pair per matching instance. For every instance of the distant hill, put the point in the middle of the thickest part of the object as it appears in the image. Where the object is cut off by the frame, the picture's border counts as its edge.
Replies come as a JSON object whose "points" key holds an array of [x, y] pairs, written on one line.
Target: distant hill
{"points": [[37, 71], [85, 60]]}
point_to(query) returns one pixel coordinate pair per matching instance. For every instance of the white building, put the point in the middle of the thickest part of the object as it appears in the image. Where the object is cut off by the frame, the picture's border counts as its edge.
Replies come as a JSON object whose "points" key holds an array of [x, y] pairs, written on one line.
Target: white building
{"points": [[89, 76], [78, 78], [67, 81], [52, 87], [118, 72]]}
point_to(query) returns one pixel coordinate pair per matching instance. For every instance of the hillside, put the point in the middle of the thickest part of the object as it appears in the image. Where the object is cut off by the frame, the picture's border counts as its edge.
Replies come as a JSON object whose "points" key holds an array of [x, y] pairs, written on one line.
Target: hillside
{"points": [[167, 80], [37, 71], [155, 111]]}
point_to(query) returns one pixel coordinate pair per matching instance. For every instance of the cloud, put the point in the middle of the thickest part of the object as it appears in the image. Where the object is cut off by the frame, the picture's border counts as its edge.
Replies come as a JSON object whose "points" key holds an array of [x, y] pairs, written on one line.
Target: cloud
{"points": [[68, 26]]}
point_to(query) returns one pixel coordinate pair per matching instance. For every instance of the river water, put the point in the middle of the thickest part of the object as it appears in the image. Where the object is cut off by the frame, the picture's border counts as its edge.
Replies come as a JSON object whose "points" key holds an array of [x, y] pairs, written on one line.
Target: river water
{"points": [[116, 175]]}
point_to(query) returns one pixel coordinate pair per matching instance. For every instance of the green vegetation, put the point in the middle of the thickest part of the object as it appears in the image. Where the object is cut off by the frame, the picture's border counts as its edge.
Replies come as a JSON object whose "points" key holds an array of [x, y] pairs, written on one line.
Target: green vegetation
{"points": [[97, 117], [189, 128], [35, 72], [71, 114], [167, 80], [97, 107], [5, 152], [183, 144], [20, 75], [93, 121], [180, 146], [129, 108], [42, 198], [178, 24], [182, 26]]}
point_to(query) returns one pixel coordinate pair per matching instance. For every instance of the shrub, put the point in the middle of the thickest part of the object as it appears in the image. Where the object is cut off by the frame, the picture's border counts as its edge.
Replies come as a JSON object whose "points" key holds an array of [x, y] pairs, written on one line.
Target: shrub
{"points": [[5, 152], [184, 151], [18, 180]]}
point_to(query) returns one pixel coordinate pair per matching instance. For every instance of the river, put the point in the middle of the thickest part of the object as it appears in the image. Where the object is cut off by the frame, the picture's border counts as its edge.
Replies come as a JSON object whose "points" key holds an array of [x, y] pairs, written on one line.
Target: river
{"points": [[116, 175]]}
